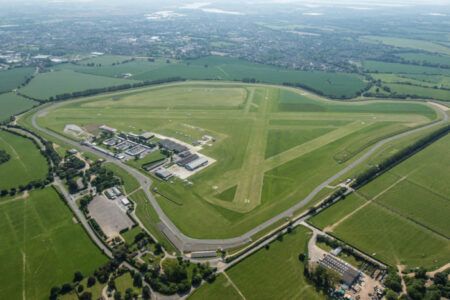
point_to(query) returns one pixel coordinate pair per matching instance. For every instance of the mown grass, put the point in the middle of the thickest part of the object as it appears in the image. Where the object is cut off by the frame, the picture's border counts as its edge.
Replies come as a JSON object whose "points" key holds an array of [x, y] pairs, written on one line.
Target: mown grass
{"points": [[276, 271], [41, 246], [26, 161], [338, 211], [196, 209], [393, 239], [14, 78], [12, 104]]}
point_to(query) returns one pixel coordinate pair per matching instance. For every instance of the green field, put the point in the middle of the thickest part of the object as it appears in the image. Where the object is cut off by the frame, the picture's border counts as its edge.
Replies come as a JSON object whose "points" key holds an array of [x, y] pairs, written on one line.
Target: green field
{"points": [[107, 60], [385, 67], [435, 59], [409, 43], [266, 273], [413, 199], [26, 163], [13, 78], [393, 239], [223, 68], [252, 179], [13, 104], [41, 246], [50, 84]]}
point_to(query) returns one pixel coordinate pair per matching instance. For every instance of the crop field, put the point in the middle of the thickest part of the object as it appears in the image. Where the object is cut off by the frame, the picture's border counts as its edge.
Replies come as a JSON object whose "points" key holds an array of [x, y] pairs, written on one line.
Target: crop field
{"points": [[252, 179], [26, 163], [435, 59], [413, 199], [409, 43], [422, 92], [335, 85], [50, 84], [385, 67], [12, 104], [276, 271], [41, 246], [12, 79]]}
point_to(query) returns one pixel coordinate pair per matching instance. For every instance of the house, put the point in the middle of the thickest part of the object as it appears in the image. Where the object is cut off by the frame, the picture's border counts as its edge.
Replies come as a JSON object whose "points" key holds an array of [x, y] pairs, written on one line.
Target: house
{"points": [[163, 174], [200, 162]]}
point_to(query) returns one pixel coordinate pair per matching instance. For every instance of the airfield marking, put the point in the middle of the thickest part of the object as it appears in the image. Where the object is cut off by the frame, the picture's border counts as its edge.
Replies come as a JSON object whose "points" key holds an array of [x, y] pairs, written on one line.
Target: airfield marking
{"points": [[300, 150], [249, 100], [249, 189], [234, 285]]}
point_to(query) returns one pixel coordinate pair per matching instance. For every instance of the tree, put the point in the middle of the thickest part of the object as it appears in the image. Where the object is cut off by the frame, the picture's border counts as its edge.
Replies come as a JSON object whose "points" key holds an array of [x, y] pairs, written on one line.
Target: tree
{"points": [[393, 281], [440, 278], [77, 276], [80, 288], [111, 284], [117, 296], [146, 293], [65, 288], [91, 281], [137, 280], [391, 295], [86, 296], [301, 257]]}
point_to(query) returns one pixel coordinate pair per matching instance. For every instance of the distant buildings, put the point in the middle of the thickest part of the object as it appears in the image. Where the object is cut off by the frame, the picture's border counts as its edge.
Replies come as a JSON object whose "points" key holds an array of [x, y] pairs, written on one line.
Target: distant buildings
{"points": [[349, 275]]}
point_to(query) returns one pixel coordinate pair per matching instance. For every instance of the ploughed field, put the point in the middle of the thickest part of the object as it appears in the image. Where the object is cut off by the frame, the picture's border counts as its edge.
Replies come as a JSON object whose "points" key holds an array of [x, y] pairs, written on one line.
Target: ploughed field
{"points": [[401, 217], [273, 145]]}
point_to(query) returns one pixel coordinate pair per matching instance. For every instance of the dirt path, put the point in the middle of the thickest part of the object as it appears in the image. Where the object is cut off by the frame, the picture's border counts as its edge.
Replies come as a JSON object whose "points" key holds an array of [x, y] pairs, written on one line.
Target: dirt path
{"points": [[235, 286], [400, 268], [24, 263], [441, 269]]}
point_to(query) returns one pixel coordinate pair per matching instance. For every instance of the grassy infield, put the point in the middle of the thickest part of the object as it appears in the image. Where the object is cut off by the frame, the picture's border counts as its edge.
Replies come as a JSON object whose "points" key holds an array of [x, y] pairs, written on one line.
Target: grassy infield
{"points": [[267, 178]]}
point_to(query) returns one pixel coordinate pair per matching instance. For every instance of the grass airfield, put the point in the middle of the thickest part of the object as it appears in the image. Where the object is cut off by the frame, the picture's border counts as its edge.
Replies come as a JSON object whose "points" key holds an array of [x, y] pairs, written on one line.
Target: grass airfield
{"points": [[273, 145]]}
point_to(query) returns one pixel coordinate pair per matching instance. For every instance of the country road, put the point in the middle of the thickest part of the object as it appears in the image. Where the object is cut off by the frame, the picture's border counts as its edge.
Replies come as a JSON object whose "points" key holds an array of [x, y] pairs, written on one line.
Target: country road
{"points": [[188, 244]]}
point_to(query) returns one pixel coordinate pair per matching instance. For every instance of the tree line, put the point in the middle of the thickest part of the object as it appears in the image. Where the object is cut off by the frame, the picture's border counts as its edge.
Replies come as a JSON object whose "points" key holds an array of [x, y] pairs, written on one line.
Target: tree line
{"points": [[398, 157]]}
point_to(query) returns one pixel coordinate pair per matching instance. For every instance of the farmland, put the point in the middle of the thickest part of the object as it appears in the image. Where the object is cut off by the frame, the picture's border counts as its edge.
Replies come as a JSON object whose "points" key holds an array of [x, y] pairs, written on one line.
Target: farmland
{"points": [[410, 43], [335, 85], [251, 180], [12, 104], [413, 199], [13, 78], [50, 84], [276, 271], [26, 163], [41, 246], [386, 67]]}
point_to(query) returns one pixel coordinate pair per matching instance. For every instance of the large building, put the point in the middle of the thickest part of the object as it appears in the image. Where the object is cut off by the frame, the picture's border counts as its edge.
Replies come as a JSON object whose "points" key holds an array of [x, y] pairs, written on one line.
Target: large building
{"points": [[348, 274], [200, 162], [172, 146]]}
